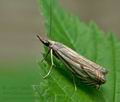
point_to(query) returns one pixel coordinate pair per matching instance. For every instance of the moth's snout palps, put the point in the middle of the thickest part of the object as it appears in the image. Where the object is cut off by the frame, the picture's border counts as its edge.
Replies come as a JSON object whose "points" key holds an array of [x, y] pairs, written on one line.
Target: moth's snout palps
{"points": [[43, 40]]}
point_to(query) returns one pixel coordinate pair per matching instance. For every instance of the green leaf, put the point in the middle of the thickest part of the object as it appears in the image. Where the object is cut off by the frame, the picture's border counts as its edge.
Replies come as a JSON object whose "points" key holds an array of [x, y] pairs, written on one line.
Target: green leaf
{"points": [[89, 41]]}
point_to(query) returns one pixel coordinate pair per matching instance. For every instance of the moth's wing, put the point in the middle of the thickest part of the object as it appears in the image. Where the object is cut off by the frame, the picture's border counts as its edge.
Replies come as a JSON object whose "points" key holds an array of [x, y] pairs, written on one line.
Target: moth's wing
{"points": [[83, 68]]}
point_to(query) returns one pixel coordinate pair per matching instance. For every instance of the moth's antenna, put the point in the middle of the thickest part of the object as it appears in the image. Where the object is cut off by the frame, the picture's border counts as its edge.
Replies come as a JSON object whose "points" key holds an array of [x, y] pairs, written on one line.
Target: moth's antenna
{"points": [[44, 41]]}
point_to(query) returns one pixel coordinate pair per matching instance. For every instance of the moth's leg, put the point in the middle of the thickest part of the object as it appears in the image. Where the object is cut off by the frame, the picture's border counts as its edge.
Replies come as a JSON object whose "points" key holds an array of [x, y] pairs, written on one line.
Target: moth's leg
{"points": [[51, 55], [45, 56], [74, 82]]}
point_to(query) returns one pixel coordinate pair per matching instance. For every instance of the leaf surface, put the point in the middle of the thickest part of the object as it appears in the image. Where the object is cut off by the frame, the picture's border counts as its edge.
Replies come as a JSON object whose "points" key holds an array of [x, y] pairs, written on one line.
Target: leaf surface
{"points": [[88, 40]]}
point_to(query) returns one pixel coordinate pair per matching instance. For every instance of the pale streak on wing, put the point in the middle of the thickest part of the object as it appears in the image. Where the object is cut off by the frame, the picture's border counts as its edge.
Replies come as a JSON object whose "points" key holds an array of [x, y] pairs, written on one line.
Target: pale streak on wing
{"points": [[78, 63], [79, 59], [86, 75], [72, 65]]}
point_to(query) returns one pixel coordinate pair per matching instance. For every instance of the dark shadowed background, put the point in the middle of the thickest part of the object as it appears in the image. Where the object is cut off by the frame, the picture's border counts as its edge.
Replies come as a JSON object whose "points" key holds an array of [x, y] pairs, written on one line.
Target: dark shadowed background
{"points": [[20, 21]]}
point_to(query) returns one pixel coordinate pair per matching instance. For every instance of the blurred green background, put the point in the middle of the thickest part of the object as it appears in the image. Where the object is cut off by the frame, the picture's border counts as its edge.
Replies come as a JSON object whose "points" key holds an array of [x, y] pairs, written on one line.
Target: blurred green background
{"points": [[20, 21]]}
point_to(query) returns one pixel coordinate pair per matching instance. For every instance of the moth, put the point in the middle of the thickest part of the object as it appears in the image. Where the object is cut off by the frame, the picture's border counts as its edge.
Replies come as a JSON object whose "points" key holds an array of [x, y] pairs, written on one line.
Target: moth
{"points": [[88, 71]]}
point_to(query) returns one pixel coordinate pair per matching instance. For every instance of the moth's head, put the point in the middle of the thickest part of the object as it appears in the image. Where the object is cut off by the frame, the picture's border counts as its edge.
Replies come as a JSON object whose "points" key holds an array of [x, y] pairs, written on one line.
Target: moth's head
{"points": [[46, 42]]}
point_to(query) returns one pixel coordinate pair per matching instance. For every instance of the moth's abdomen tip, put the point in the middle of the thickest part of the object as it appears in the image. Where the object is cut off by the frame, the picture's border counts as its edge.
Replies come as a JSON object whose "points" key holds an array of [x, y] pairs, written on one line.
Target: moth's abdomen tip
{"points": [[104, 71], [103, 80]]}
